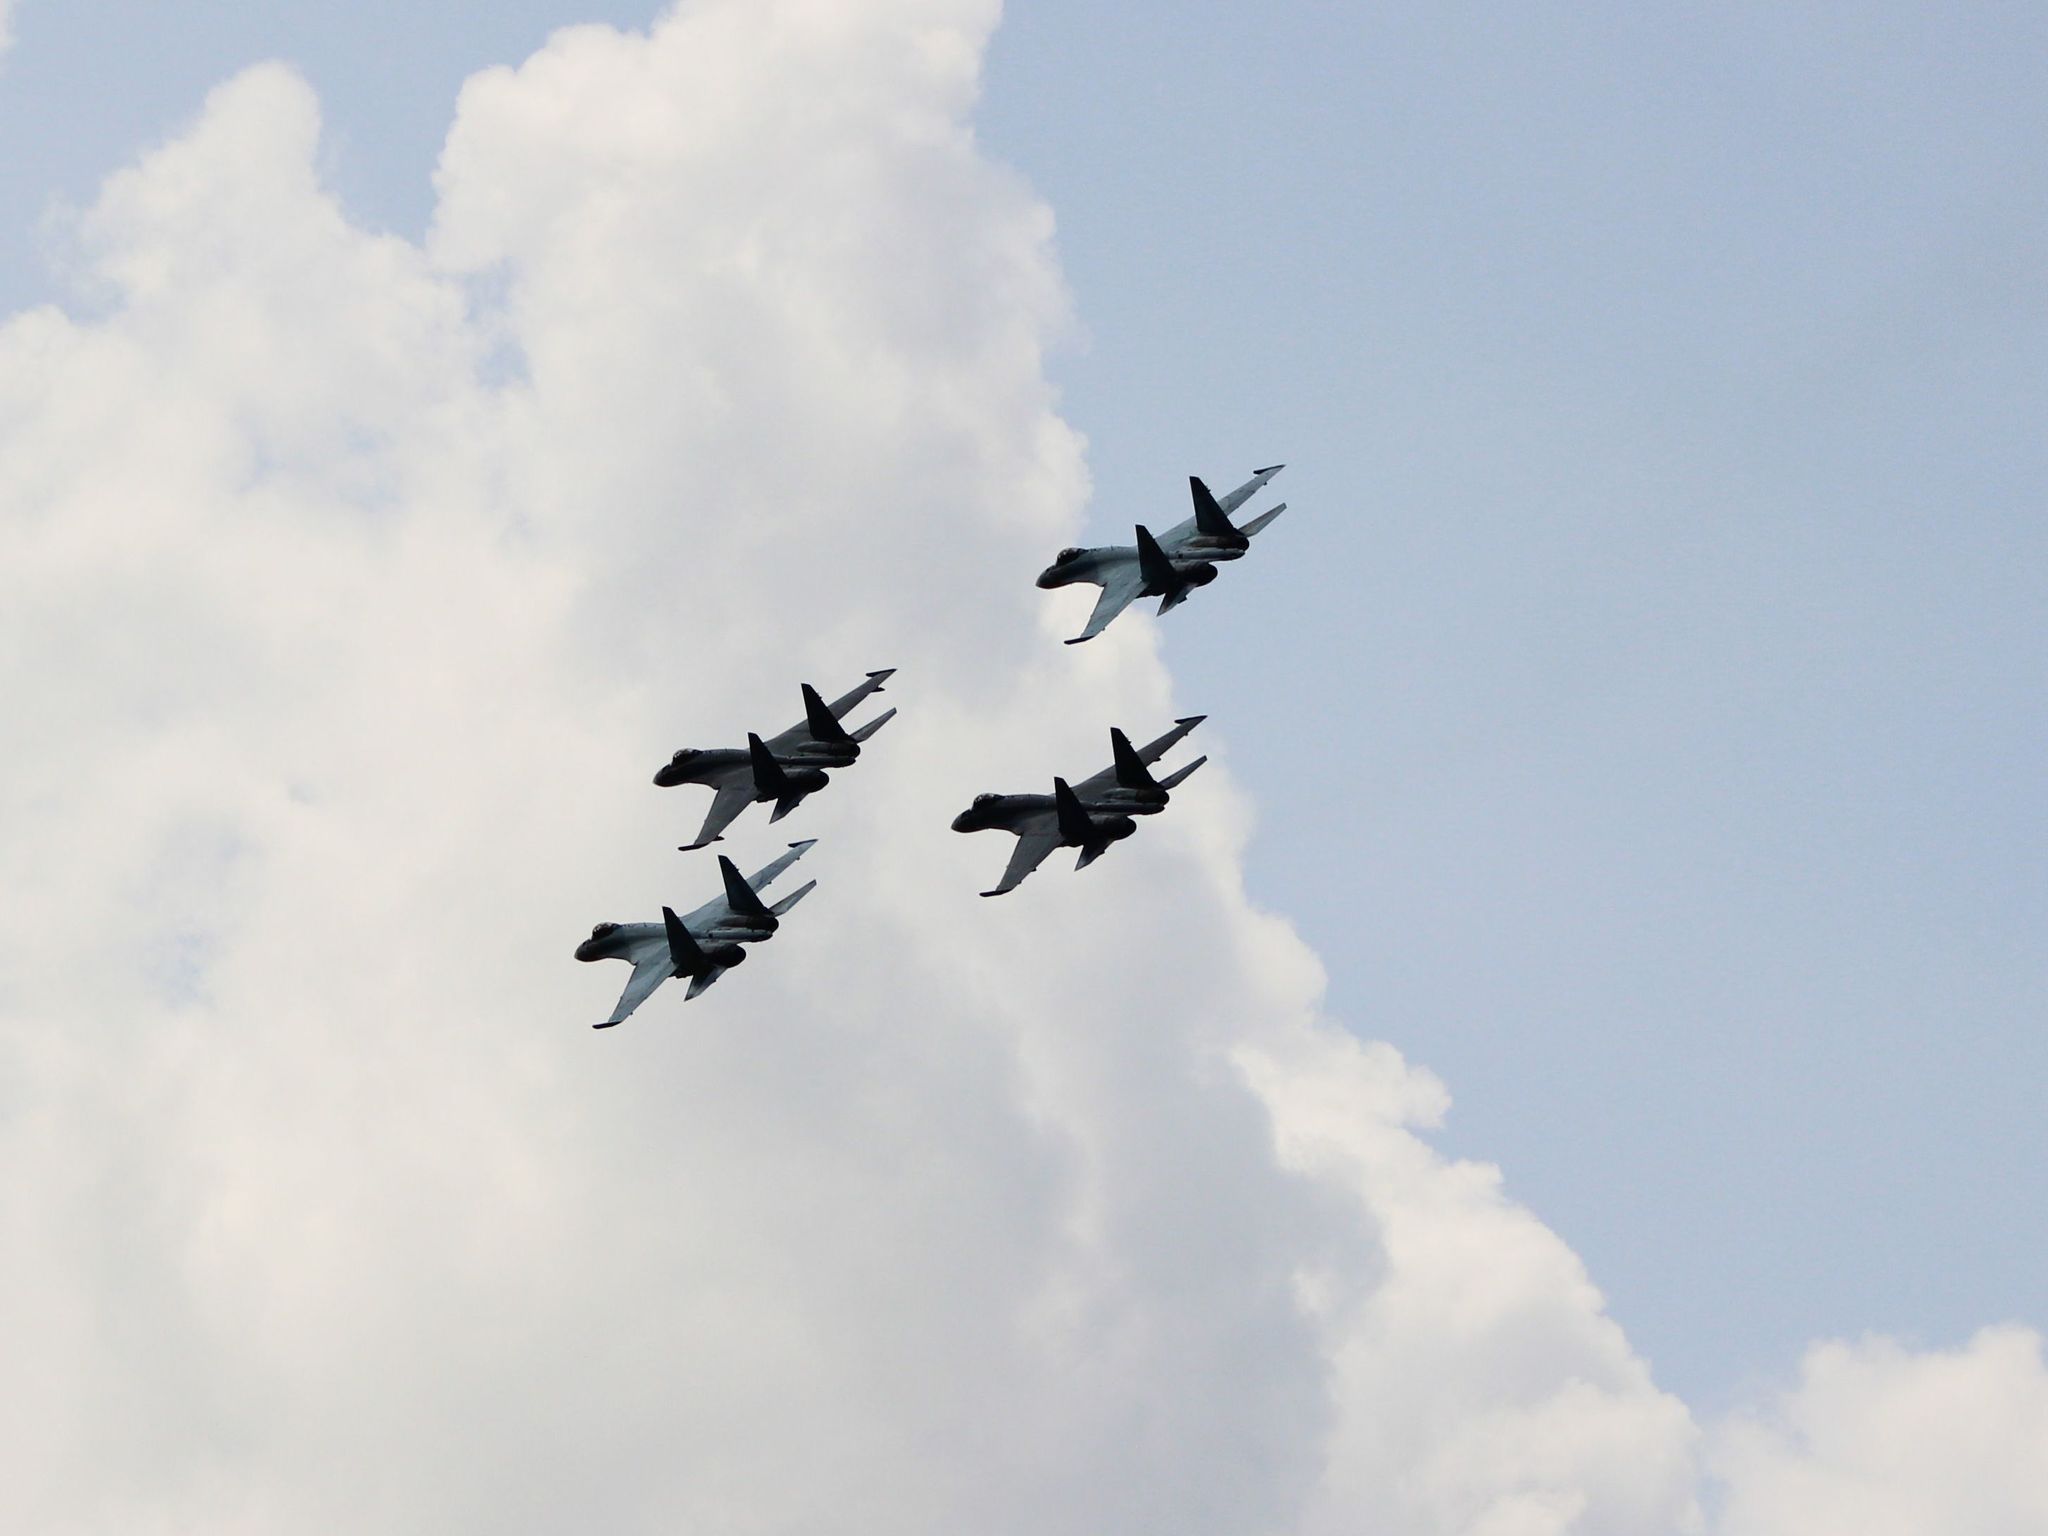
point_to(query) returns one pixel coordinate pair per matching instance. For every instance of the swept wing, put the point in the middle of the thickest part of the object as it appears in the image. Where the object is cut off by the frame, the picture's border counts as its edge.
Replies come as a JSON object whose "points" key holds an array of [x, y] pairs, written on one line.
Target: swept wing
{"points": [[1032, 850], [1119, 591]]}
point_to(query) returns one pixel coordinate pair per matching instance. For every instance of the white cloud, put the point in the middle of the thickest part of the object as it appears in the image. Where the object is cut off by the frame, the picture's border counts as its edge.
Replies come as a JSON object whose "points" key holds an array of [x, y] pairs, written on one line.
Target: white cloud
{"points": [[354, 592], [1876, 1440]]}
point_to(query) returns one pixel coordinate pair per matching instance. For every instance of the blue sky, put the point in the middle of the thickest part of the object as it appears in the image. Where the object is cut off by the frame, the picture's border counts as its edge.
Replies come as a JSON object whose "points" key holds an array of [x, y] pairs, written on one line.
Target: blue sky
{"points": [[1646, 717], [1642, 699]]}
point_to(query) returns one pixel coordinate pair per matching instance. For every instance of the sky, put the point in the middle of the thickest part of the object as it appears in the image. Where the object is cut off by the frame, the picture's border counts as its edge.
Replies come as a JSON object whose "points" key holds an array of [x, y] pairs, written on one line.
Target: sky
{"points": [[1571, 1063]]}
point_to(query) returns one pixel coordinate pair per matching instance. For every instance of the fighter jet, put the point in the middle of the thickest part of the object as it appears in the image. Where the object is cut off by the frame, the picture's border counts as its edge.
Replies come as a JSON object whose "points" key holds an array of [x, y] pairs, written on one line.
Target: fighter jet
{"points": [[782, 769], [704, 945], [1090, 815], [1168, 567]]}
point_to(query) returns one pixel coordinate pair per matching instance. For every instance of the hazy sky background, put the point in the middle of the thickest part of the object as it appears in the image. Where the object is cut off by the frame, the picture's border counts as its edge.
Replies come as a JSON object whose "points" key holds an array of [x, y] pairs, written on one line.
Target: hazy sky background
{"points": [[1641, 702]]}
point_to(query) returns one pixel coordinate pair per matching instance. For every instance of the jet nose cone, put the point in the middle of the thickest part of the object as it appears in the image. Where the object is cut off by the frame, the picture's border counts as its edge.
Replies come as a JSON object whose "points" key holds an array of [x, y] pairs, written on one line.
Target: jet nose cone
{"points": [[584, 950], [1049, 578], [665, 777], [964, 822]]}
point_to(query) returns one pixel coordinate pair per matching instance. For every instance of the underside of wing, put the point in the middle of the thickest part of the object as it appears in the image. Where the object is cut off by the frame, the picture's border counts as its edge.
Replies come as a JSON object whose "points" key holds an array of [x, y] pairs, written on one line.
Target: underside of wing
{"points": [[1031, 851], [1231, 501], [1118, 593], [725, 808], [871, 684], [760, 878], [648, 973]]}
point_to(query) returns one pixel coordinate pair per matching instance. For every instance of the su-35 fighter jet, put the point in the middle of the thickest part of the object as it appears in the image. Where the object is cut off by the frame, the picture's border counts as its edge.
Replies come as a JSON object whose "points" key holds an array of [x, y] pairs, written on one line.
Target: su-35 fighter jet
{"points": [[782, 769], [1170, 566], [1090, 815], [704, 945]]}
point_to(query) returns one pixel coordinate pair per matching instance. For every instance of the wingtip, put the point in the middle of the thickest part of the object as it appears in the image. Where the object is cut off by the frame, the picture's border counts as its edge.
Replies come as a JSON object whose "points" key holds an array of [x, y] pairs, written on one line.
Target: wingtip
{"points": [[990, 893], [608, 1024], [1191, 721], [1270, 469], [1076, 641], [881, 677], [806, 843]]}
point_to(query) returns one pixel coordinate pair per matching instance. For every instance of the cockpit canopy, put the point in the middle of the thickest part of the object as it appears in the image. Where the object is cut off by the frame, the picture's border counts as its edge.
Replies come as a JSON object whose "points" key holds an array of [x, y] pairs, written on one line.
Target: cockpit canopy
{"points": [[602, 929], [1069, 553], [683, 752], [990, 799]]}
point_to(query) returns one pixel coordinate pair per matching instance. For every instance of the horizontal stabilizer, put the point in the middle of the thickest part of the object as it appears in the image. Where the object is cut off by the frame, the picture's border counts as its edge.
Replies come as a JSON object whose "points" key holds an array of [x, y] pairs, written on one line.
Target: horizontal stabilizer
{"points": [[794, 897], [769, 779], [822, 723], [704, 979], [874, 725], [1178, 774], [683, 951], [1262, 519], [739, 895]]}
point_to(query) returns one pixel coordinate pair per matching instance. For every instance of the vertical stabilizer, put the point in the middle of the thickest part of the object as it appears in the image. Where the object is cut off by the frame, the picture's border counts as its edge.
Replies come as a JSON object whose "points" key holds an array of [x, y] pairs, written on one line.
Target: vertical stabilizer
{"points": [[1158, 571], [1131, 771], [740, 896], [1075, 827], [769, 779], [819, 720], [683, 951], [1211, 521]]}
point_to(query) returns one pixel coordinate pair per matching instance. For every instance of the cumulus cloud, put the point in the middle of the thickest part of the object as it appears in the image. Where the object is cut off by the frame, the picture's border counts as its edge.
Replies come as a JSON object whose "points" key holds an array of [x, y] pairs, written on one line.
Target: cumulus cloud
{"points": [[1876, 1440], [355, 590]]}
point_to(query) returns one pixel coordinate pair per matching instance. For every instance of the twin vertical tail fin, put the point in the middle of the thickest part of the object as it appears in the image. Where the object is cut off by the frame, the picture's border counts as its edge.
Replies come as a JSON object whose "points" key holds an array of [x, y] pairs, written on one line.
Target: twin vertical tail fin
{"points": [[1075, 828], [684, 952], [1158, 571], [742, 898], [1211, 521], [823, 725], [1131, 772], [769, 779]]}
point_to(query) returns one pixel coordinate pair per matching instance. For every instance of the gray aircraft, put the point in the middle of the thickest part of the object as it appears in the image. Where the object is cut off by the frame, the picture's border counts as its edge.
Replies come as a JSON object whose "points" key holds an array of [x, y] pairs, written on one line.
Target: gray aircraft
{"points": [[1170, 566], [1090, 815], [702, 946], [782, 769]]}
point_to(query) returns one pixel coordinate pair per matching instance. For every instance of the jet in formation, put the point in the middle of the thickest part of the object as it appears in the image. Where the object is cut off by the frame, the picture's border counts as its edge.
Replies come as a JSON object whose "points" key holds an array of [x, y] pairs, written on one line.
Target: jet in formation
{"points": [[784, 768], [702, 946], [1170, 566], [1090, 815]]}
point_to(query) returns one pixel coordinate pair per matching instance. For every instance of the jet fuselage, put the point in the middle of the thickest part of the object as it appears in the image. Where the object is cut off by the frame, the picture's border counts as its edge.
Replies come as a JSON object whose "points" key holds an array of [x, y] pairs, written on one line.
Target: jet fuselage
{"points": [[1040, 813], [720, 766], [617, 941]]}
